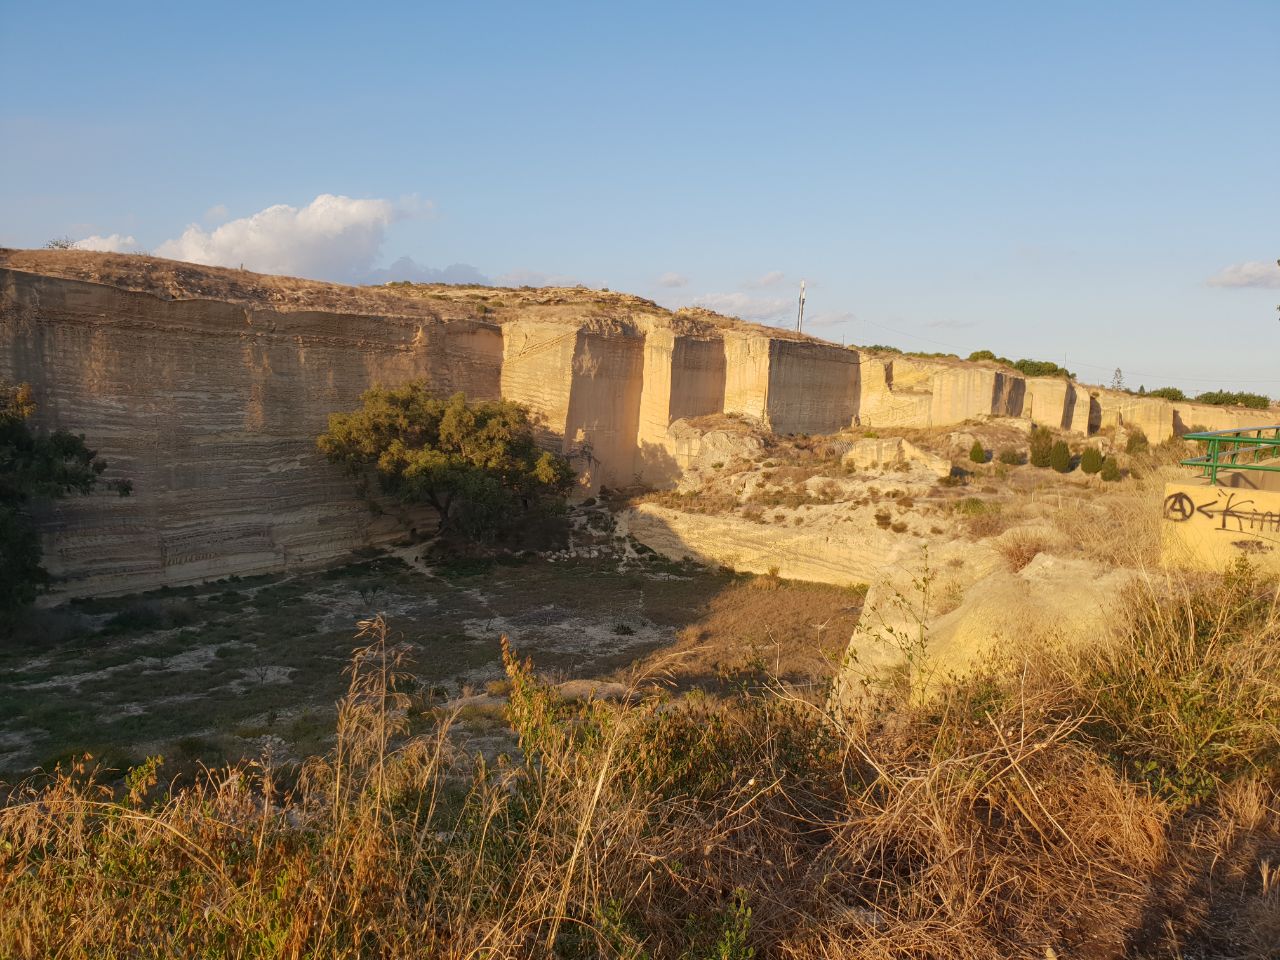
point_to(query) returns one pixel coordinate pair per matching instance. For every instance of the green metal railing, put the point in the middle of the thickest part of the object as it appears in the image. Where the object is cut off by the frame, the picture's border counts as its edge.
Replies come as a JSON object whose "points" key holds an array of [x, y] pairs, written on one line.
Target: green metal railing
{"points": [[1237, 450]]}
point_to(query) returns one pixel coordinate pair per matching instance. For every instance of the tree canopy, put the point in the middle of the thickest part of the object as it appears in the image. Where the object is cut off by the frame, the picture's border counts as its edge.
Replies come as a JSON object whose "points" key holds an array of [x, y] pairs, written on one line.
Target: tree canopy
{"points": [[476, 463], [35, 466]]}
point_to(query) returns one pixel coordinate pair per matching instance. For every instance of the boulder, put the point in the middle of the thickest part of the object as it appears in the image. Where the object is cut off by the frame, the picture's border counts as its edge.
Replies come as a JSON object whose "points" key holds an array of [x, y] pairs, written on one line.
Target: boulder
{"points": [[894, 455]]}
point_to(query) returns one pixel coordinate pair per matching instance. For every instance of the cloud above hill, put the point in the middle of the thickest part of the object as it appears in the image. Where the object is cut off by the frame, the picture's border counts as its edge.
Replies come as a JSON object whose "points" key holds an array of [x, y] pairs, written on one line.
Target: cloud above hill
{"points": [[113, 243], [332, 238], [745, 306], [1254, 273]]}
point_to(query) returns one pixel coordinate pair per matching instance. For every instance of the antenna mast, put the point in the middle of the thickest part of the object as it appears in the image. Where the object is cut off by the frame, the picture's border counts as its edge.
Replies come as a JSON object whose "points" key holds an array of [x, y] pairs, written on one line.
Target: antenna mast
{"points": [[800, 313]]}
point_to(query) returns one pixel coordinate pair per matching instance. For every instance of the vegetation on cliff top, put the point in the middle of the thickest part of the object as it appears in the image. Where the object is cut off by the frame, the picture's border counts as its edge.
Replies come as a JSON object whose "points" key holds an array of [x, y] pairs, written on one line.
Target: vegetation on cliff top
{"points": [[35, 466], [476, 463]]}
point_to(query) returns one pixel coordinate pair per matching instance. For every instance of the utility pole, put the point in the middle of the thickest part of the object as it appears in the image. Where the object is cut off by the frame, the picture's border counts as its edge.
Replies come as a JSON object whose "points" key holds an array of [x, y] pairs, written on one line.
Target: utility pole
{"points": [[800, 313]]}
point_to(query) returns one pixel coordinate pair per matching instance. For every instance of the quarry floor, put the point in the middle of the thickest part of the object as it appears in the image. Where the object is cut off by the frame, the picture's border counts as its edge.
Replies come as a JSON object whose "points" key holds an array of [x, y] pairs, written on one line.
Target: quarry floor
{"points": [[254, 666]]}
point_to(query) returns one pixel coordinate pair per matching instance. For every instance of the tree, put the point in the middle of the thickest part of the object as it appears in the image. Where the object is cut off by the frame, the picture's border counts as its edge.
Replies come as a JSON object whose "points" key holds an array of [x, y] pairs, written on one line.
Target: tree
{"points": [[1110, 469], [1168, 393], [1060, 457], [977, 453], [35, 466], [1091, 460], [476, 463], [1117, 380], [60, 243], [1041, 446]]}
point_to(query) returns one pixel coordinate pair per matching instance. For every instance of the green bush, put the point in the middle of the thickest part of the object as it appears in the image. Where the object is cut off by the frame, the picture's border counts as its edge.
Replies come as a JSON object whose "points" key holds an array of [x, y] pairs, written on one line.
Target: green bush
{"points": [[35, 467], [1168, 393], [1041, 446], [1227, 398], [1137, 442], [1110, 469], [1091, 460], [1060, 457], [1012, 457], [978, 453], [476, 463]]}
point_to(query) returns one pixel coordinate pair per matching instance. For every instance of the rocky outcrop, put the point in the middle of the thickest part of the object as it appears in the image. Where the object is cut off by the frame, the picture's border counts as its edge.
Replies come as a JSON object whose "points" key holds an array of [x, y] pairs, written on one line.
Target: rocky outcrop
{"points": [[206, 387], [894, 455]]}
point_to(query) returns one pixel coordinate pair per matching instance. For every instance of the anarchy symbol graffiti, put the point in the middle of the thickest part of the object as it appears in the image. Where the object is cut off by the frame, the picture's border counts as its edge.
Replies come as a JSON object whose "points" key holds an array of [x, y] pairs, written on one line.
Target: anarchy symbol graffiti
{"points": [[1178, 507]]}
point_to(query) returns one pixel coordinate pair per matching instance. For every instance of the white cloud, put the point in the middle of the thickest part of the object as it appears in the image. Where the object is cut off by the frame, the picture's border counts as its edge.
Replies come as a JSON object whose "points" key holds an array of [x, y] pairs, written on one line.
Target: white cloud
{"points": [[673, 279], [1253, 273], [830, 319], [115, 243], [535, 278], [406, 268], [951, 324], [747, 307], [217, 213], [332, 238], [770, 279]]}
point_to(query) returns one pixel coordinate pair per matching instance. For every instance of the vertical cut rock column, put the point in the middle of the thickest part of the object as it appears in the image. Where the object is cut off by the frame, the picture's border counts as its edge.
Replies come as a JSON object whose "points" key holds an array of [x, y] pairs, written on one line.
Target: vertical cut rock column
{"points": [[683, 377]]}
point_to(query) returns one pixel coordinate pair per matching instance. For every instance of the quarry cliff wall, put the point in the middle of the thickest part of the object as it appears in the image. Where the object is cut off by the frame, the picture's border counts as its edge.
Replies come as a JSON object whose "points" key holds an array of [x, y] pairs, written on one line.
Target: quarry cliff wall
{"points": [[211, 403]]}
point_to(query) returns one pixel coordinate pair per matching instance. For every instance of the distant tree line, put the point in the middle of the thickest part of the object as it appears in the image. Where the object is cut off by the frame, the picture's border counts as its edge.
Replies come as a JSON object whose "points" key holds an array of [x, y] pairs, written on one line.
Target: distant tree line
{"points": [[1217, 398], [1029, 368]]}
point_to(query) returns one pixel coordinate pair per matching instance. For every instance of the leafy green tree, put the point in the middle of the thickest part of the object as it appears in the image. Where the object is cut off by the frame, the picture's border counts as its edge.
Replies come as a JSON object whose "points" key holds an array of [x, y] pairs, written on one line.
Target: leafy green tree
{"points": [[1060, 457], [978, 453], [1091, 460], [1110, 469], [1041, 446], [35, 466], [476, 463], [1169, 393]]}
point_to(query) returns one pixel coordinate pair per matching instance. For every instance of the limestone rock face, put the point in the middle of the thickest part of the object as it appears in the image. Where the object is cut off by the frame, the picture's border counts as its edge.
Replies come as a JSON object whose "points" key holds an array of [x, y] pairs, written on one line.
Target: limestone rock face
{"points": [[1049, 601], [211, 409], [206, 387], [894, 455], [821, 552]]}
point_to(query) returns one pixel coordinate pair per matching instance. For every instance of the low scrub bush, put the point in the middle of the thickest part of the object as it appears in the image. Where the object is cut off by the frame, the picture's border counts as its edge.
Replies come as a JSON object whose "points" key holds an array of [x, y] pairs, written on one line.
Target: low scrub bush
{"points": [[1110, 470], [1091, 460], [1118, 802], [977, 453], [1060, 457], [1011, 457], [1041, 446], [1137, 442]]}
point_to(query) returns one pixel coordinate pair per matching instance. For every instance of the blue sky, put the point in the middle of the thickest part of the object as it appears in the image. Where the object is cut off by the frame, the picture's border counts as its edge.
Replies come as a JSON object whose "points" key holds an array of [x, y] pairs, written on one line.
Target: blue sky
{"points": [[1098, 182]]}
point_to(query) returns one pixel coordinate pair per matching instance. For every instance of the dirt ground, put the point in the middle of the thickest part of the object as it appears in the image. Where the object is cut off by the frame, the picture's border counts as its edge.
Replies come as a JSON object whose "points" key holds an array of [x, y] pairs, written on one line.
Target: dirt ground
{"points": [[251, 666]]}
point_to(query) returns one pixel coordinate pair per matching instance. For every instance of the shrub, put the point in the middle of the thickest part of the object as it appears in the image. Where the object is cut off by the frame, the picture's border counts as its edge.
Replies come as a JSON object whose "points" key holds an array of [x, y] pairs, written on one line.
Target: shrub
{"points": [[1041, 446], [1091, 460], [35, 467], [1168, 393], [1110, 469], [1060, 457], [476, 463], [1186, 700], [1137, 442], [1012, 457], [977, 453], [1227, 398]]}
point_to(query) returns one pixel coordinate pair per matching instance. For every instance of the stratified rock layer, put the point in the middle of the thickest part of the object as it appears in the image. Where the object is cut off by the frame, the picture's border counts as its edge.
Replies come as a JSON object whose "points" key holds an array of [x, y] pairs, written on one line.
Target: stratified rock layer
{"points": [[207, 387]]}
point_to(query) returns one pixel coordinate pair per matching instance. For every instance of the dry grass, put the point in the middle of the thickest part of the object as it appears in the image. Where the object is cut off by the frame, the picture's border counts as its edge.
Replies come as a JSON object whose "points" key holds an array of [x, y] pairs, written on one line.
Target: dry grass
{"points": [[1118, 803]]}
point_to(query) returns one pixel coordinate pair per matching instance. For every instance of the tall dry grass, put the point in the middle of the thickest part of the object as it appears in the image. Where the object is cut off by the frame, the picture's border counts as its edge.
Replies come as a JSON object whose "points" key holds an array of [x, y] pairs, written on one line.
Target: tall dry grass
{"points": [[1115, 802]]}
